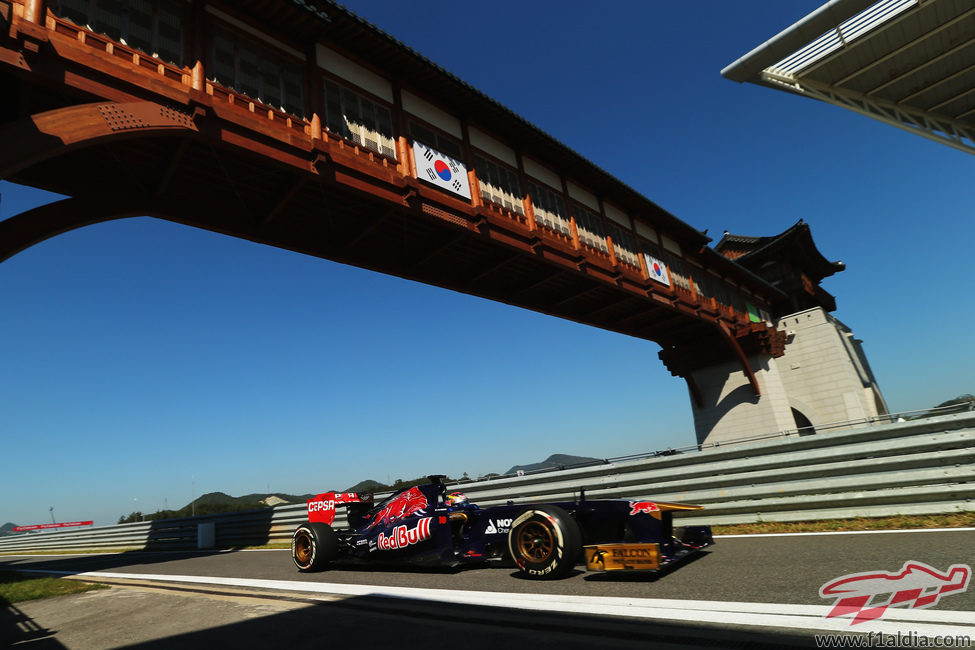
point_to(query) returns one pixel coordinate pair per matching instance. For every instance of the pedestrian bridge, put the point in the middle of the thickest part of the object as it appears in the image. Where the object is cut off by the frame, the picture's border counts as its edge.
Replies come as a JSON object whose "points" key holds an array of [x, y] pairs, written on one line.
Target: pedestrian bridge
{"points": [[298, 125]]}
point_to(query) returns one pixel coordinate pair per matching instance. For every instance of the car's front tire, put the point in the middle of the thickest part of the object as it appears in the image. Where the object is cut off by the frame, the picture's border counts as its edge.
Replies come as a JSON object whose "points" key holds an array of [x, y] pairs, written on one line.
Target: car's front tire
{"points": [[313, 545], [545, 542]]}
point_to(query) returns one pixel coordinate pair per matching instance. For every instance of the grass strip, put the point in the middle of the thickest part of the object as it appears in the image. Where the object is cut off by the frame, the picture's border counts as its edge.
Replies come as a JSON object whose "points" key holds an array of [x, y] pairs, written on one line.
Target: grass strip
{"points": [[17, 587]]}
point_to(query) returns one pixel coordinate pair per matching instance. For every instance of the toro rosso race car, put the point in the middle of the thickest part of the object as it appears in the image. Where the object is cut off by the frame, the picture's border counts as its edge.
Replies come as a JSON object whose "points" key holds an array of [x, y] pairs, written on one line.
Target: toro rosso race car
{"points": [[425, 526]]}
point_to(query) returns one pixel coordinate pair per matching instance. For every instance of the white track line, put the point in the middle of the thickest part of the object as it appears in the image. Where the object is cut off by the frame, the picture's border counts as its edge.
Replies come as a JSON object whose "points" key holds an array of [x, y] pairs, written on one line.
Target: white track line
{"points": [[806, 617], [850, 532]]}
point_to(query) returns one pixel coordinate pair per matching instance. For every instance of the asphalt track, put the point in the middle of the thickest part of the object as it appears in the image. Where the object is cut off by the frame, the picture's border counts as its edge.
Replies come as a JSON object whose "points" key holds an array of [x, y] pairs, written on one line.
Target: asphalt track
{"points": [[744, 592]]}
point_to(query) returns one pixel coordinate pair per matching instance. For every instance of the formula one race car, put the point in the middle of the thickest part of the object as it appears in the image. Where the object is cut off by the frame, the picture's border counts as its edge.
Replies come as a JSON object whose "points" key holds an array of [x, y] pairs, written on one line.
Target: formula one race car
{"points": [[425, 526]]}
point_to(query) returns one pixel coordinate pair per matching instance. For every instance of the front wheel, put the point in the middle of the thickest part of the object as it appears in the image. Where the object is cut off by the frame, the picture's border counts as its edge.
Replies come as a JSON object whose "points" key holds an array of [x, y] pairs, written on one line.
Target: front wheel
{"points": [[313, 545], [545, 542]]}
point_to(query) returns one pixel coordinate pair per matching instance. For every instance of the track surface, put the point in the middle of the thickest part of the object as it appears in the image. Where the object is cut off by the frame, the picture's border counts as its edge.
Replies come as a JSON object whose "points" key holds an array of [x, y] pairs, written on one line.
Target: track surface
{"points": [[744, 592], [780, 569]]}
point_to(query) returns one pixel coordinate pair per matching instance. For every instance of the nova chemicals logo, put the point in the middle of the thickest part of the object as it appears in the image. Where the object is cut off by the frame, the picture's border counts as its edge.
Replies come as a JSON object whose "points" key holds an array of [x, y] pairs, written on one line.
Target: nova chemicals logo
{"points": [[497, 526]]}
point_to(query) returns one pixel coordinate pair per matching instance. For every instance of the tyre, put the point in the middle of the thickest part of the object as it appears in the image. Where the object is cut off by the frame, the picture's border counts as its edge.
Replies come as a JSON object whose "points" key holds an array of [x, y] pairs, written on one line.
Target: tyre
{"points": [[313, 546], [545, 542]]}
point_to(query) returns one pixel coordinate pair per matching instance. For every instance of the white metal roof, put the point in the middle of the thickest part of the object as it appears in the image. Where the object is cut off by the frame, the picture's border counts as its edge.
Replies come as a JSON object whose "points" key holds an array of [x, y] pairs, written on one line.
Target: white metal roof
{"points": [[909, 63]]}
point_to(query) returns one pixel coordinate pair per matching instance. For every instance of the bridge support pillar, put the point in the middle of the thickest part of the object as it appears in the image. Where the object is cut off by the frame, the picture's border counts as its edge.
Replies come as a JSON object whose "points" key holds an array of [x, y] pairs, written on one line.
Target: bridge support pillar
{"points": [[822, 382], [727, 408]]}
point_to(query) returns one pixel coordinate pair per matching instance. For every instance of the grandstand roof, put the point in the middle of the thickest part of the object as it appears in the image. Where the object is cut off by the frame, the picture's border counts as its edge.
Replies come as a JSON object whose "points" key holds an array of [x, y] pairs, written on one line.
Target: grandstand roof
{"points": [[908, 63]]}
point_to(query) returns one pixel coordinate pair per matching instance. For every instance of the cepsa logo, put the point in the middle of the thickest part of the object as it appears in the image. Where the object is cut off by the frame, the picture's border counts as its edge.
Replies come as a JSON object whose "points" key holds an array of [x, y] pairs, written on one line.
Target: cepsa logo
{"points": [[916, 585], [401, 536], [320, 506], [643, 507]]}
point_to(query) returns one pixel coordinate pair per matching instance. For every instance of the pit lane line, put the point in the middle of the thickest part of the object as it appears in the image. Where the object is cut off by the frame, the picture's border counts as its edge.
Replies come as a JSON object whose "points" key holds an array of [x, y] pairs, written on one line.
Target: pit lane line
{"points": [[926, 622]]}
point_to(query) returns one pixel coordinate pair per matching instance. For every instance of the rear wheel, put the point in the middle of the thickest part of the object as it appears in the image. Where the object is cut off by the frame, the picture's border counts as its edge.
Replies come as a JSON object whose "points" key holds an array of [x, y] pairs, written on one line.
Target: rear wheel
{"points": [[313, 545], [545, 542]]}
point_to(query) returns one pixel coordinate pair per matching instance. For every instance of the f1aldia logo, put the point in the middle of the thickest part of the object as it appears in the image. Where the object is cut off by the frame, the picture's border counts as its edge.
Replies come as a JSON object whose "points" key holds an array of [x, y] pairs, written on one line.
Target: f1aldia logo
{"points": [[916, 585], [401, 536]]}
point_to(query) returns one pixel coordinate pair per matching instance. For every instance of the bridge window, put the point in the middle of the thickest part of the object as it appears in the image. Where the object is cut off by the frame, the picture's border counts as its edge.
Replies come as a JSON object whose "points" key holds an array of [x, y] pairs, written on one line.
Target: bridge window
{"points": [[436, 140], [625, 244], [363, 121], [678, 271], [257, 71], [499, 185], [590, 228], [549, 209], [153, 26], [701, 282], [720, 291]]}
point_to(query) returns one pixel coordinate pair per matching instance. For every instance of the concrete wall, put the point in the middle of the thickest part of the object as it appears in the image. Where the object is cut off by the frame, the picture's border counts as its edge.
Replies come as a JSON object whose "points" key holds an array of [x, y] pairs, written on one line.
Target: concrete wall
{"points": [[824, 376]]}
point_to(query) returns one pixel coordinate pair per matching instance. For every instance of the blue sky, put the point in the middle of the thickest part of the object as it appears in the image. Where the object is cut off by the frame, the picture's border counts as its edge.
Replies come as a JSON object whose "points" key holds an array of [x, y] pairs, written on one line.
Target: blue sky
{"points": [[145, 361]]}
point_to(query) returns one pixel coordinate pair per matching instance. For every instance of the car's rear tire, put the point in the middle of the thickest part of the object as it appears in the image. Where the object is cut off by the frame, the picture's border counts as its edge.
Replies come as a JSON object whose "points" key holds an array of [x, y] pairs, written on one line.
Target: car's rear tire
{"points": [[545, 542], [313, 545]]}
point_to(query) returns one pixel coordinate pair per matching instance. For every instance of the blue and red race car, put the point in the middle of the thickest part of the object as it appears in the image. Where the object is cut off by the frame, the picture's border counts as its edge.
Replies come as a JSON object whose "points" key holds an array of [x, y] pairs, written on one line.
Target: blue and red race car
{"points": [[425, 526]]}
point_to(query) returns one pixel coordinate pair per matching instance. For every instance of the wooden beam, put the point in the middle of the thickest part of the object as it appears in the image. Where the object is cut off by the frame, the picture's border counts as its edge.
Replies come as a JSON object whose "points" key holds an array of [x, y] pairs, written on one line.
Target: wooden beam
{"points": [[174, 163], [279, 205], [503, 262]]}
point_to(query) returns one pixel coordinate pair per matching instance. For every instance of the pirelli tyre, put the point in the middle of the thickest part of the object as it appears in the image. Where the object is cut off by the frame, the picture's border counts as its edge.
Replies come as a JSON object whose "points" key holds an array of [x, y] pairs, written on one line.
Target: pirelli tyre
{"points": [[313, 545], [545, 542]]}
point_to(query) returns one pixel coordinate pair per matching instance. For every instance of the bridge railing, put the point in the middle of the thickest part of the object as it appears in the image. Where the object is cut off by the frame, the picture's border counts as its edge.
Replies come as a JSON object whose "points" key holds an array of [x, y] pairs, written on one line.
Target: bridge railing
{"points": [[917, 466]]}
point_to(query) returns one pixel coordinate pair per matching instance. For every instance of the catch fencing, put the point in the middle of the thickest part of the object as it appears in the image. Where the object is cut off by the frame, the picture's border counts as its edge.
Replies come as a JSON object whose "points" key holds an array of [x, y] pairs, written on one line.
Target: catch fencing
{"points": [[924, 466]]}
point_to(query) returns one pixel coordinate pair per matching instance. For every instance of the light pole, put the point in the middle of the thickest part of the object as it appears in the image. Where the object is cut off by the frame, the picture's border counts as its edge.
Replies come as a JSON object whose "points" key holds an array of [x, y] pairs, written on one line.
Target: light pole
{"points": [[51, 510]]}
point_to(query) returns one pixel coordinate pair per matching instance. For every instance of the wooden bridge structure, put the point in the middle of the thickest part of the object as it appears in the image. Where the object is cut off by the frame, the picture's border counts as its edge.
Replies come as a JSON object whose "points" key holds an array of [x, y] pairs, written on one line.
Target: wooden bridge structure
{"points": [[294, 123]]}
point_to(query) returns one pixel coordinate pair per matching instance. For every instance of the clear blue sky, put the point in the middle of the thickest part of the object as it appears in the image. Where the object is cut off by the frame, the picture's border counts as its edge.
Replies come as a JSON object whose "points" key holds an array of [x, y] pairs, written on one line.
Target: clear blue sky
{"points": [[139, 354]]}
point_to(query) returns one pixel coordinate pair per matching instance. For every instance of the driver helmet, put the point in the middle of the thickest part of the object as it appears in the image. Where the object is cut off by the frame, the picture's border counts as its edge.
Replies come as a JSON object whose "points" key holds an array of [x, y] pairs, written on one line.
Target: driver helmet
{"points": [[456, 500]]}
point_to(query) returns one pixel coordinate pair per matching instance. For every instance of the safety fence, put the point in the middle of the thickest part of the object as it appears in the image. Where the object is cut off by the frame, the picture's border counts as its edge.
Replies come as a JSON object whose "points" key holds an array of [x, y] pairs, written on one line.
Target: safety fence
{"points": [[920, 466]]}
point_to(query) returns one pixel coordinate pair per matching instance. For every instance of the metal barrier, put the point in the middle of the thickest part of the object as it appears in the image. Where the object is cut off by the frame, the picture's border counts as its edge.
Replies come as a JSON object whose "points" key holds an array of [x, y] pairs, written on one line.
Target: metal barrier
{"points": [[911, 467]]}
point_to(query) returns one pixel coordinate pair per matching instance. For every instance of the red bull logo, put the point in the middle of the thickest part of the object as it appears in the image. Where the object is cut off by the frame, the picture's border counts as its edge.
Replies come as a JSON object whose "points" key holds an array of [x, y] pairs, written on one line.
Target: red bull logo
{"points": [[916, 586], [401, 536], [403, 505], [643, 507]]}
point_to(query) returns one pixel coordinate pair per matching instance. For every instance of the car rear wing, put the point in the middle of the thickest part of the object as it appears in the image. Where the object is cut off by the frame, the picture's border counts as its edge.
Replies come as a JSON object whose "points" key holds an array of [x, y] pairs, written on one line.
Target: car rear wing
{"points": [[321, 508]]}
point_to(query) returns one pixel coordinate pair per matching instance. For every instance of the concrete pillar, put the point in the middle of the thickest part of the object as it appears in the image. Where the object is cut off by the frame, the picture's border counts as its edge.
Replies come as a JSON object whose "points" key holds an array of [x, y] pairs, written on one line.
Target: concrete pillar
{"points": [[823, 380]]}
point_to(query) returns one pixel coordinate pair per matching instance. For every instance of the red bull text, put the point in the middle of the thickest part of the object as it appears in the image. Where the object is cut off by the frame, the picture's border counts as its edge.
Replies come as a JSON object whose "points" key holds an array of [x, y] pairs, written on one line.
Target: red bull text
{"points": [[401, 536]]}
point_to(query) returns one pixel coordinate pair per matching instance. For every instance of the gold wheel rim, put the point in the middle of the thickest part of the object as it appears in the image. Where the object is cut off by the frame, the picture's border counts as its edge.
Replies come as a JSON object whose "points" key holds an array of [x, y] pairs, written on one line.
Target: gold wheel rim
{"points": [[535, 542], [303, 547]]}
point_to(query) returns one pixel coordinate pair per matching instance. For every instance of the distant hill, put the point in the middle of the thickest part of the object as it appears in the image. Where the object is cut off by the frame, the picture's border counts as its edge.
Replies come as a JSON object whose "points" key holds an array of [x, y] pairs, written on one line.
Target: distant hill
{"points": [[214, 503], [246, 502], [964, 402], [368, 487], [554, 462], [7, 529]]}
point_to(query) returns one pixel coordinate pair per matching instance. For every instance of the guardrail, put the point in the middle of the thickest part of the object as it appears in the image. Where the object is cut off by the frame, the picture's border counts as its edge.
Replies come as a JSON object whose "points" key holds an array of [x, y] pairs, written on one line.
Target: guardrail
{"points": [[911, 467]]}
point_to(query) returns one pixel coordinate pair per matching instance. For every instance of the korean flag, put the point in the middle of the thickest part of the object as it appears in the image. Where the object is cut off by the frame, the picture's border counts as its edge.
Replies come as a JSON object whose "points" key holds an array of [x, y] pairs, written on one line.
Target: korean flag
{"points": [[657, 269], [440, 170]]}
